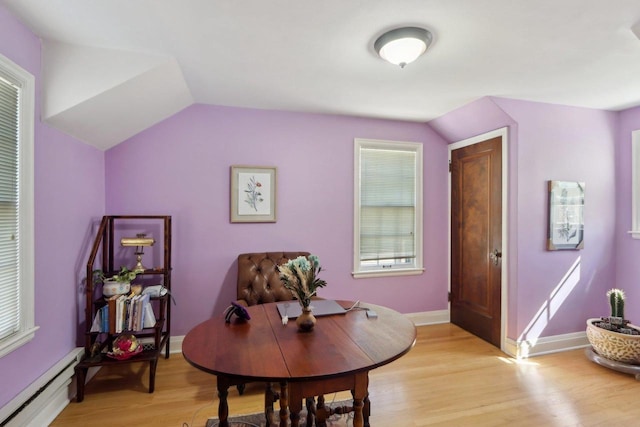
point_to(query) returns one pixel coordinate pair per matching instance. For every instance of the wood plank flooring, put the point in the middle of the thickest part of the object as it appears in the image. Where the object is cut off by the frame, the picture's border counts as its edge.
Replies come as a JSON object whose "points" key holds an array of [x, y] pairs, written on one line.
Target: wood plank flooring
{"points": [[450, 378]]}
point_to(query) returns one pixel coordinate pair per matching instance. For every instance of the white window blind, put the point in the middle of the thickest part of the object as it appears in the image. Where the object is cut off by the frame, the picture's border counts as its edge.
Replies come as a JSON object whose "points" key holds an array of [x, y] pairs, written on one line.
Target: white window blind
{"points": [[388, 207], [9, 238], [635, 184], [17, 324]]}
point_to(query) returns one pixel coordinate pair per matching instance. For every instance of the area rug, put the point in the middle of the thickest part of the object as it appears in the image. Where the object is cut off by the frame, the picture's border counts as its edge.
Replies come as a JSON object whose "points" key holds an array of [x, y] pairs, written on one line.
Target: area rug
{"points": [[258, 420]]}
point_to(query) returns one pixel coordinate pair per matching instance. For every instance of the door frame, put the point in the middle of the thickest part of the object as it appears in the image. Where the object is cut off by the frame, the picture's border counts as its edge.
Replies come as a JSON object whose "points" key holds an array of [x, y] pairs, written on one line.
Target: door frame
{"points": [[504, 301]]}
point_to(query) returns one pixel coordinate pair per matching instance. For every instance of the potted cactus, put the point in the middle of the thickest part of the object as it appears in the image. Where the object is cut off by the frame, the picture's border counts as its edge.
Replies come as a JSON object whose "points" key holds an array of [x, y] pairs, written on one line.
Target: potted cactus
{"points": [[616, 301], [614, 337]]}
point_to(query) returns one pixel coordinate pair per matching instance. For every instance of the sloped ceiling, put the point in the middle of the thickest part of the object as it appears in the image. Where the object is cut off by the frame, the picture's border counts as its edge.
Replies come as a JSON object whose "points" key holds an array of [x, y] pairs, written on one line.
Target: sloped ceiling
{"points": [[105, 96], [115, 67]]}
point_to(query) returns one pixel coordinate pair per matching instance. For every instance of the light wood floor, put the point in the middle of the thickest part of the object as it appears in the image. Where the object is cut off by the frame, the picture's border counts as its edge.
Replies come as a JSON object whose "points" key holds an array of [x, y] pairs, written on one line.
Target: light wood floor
{"points": [[450, 378]]}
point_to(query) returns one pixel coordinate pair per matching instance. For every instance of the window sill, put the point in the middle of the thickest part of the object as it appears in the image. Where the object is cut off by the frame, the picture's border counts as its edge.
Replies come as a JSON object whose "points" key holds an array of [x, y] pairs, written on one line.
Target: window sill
{"points": [[385, 273], [13, 342], [634, 233]]}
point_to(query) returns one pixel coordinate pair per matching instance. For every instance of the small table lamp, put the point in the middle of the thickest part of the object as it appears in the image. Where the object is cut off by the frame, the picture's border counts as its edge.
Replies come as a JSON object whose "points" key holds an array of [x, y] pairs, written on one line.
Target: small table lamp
{"points": [[140, 241]]}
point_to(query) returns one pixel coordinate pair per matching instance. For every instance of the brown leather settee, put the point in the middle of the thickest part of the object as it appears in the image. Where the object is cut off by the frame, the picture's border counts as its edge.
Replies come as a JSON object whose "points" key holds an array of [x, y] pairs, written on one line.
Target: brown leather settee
{"points": [[258, 278]]}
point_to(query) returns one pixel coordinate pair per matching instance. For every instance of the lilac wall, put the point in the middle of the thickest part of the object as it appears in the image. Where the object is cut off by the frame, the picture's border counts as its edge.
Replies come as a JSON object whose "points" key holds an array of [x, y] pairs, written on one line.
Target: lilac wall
{"points": [[473, 119], [550, 142], [69, 192], [627, 249], [570, 144], [181, 167]]}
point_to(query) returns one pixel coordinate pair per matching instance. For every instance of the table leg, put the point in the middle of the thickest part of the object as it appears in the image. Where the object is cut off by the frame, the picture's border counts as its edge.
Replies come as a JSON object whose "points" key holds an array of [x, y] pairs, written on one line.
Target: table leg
{"points": [[358, 420], [360, 393], [366, 411], [269, 399], [223, 407], [284, 404], [321, 412], [295, 403], [311, 411]]}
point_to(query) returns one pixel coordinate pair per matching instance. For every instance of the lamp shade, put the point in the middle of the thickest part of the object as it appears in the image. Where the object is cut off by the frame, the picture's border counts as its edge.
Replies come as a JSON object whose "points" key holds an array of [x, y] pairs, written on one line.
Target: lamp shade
{"points": [[137, 241], [403, 45]]}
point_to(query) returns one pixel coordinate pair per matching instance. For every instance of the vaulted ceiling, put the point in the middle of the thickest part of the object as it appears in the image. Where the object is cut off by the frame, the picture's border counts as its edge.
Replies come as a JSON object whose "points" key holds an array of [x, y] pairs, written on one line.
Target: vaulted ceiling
{"points": [[112, 68]]}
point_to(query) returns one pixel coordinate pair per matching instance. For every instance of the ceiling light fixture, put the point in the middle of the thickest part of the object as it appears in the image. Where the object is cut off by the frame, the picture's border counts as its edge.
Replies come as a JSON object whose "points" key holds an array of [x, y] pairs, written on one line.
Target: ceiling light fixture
{"points": [[403, 45]]}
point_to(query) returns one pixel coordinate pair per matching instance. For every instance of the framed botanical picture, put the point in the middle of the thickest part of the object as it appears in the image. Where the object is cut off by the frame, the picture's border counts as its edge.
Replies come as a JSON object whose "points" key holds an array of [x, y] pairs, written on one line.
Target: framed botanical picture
{"points": [[253, 194], [566, 215]]}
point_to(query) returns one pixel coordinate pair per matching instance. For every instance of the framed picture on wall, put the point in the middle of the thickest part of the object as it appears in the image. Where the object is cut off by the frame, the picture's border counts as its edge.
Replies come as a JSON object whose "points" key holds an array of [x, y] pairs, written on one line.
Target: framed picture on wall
{"points": [[253, 194], [566, 215]]}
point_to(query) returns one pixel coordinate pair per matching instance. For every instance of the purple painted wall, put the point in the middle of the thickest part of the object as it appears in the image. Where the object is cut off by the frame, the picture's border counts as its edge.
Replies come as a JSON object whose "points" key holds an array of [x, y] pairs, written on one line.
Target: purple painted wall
{"points": [[69, 192], [570, 144], [473, 119], [181, 167], [627, 249], [550, 142]]}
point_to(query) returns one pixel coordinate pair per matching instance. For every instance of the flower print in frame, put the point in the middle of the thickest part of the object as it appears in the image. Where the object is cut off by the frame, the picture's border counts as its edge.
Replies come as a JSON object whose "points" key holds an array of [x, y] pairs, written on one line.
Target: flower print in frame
{"points": [[253, 194], [566, 215]]}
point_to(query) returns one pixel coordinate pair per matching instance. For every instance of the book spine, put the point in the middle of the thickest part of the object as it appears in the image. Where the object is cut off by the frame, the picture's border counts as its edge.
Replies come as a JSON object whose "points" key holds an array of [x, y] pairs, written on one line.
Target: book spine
{"points": [[112, 315], [104, 318]]}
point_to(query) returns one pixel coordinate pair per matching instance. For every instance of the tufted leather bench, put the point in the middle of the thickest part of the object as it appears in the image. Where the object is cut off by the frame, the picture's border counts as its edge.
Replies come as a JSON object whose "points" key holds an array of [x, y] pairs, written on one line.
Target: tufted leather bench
{"points": [[258, 279]]}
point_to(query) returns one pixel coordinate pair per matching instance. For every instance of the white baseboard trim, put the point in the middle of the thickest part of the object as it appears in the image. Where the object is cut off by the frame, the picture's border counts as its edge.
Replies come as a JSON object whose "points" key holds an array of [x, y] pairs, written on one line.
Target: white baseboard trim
{"points": [[41, 402], [546, 345], [175, 346], [521, 349], [429, 317]]}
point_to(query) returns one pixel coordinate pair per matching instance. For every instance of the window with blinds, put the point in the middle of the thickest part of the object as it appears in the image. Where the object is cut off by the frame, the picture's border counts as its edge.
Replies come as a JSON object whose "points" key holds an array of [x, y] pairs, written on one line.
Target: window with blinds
{"points": [[9, 284], [388, 208], [16, 206]]}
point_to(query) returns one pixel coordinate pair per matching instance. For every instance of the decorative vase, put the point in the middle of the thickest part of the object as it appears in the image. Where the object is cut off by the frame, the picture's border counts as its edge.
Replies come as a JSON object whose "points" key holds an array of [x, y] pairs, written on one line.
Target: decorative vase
{"points": [[614, 345], [306, 321], [112, 287]]}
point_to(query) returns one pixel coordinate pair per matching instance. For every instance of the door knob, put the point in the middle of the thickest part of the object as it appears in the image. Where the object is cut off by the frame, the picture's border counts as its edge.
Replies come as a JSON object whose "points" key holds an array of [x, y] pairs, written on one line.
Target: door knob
{"points": [[495, 256]]}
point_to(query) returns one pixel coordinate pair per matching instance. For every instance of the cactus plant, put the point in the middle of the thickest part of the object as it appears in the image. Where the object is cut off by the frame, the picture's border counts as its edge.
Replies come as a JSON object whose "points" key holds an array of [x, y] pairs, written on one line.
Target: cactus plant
{"points": [[614, 338], [616, 322], [616, 300]]}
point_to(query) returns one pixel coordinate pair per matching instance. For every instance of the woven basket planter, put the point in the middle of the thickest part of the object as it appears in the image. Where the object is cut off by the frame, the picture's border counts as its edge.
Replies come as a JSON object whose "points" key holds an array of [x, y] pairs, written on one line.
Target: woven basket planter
{"points": [[614, 345]]}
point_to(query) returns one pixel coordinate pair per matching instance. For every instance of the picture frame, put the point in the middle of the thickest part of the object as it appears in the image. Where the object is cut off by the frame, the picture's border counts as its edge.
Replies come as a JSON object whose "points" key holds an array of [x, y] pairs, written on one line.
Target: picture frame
{"points": [[566, 215], [253, 193]]}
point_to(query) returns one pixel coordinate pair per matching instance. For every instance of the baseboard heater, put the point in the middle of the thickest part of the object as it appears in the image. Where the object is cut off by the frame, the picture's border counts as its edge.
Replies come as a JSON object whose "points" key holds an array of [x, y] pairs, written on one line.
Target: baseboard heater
{"points": [[45, 398]]}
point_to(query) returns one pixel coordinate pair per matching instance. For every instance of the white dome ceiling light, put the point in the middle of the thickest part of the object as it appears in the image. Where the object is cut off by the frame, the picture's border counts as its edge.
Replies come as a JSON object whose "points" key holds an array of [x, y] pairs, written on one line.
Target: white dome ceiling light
{"points": [[403, 45]]}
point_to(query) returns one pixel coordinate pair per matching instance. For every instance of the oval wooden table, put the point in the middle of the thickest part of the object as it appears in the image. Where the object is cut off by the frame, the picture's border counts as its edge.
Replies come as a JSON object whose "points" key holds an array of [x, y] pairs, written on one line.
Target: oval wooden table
{"points": [[336, 356]]}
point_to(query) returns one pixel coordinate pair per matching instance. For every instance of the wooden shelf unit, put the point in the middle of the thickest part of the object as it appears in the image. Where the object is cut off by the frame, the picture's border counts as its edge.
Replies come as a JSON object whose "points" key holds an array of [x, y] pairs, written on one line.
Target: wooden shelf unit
{"points": [[99, 342]]}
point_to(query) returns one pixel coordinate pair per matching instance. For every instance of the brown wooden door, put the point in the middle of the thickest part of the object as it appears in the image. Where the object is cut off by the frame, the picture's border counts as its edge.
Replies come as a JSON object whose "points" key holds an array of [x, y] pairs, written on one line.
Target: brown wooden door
{"points": [[476, 238]]}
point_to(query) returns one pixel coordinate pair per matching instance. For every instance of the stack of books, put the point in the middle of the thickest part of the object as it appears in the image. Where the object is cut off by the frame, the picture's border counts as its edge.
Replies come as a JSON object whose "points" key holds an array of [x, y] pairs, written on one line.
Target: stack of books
{"points": [[124, 313]]}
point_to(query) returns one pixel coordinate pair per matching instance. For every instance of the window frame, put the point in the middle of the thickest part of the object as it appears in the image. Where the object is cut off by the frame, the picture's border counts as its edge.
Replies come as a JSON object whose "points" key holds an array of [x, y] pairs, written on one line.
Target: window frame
{"points": [[635, 185], [26, 252], [417, 267]]}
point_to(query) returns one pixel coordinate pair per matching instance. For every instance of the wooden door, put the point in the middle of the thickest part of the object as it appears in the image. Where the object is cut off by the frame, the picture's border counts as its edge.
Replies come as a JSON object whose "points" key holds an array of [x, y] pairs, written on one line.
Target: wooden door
{"points": [[476, 238]]}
